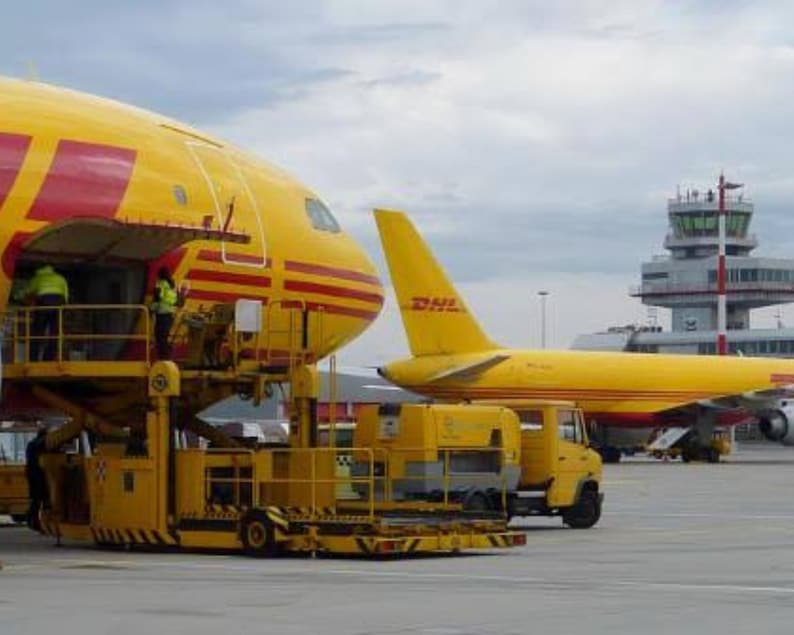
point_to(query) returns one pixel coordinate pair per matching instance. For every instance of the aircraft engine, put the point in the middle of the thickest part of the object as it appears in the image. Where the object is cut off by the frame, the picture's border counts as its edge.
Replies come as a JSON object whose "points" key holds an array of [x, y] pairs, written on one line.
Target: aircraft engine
{"points": [[778, 424]]}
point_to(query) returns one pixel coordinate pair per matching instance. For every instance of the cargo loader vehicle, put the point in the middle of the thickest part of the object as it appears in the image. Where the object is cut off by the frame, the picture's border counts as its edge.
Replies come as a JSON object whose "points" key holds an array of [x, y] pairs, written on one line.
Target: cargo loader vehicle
{"points": [[138, 484]]}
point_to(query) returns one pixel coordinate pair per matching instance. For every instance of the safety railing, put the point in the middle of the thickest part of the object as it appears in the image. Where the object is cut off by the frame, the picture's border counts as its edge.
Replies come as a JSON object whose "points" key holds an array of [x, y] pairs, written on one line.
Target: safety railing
{"points": [[293, 336], [311, 479], [443, 474], [76, 332], [209, 338], [230, 484]]}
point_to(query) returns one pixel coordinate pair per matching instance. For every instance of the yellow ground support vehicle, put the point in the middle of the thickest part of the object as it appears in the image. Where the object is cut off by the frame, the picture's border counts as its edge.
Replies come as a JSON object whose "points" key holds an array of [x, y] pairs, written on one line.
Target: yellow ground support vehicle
{"points": [[13, 492], [674, 442], [133, 481], [263, 501], [13, 483], [519, 458]]}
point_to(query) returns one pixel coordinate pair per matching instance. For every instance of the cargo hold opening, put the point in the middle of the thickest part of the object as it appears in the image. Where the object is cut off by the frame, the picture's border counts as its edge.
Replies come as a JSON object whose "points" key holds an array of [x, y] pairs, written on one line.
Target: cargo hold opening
{"points": [[105, 262]]}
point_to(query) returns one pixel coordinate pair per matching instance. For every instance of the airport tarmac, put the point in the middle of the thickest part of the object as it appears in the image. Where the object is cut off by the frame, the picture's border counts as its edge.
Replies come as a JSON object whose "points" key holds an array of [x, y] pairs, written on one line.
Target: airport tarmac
{"points": [[692, 548]]}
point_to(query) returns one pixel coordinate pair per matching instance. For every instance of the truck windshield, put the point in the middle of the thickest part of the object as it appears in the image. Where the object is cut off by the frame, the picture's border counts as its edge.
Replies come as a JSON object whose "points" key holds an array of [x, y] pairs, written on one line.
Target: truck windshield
{"points": [[530, 419]]}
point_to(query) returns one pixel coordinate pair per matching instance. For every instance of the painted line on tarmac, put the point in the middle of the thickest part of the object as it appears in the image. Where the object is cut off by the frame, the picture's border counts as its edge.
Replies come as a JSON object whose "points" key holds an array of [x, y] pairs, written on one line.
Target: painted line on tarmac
{"points": [[726, 516], [638, 584]]}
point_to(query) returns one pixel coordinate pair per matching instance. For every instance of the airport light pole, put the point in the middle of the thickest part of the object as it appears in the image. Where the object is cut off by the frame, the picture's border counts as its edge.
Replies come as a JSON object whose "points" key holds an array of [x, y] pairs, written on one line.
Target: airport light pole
{"points": [[543, 295], [722, 304]]}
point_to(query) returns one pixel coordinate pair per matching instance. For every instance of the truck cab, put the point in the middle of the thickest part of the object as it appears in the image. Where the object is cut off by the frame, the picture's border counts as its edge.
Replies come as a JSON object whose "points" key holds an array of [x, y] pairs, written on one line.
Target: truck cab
{"points": [[560, 473]]}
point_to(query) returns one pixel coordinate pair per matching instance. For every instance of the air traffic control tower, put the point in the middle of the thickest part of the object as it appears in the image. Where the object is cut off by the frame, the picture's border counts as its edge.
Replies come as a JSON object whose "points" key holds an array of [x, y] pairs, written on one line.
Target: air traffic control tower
{"points": [[685, 281]]}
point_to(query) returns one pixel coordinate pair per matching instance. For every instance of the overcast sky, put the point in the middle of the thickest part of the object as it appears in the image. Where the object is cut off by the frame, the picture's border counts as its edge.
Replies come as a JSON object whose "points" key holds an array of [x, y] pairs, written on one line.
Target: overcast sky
{"points": [[534, 143]]}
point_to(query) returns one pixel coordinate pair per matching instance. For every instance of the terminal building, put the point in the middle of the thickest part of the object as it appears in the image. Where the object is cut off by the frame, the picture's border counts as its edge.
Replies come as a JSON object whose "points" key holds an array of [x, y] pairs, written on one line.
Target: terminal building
{"points": [[685, 281]]}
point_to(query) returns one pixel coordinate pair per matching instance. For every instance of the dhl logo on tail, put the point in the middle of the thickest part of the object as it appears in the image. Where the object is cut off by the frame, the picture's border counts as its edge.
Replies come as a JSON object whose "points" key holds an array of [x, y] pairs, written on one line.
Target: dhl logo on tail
{"points": [[445, 305]]}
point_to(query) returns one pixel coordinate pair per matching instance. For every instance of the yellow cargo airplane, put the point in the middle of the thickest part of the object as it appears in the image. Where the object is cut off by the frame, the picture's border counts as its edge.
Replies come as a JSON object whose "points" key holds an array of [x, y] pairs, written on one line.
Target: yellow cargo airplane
{"points": [[453, 359], [109, 193]]}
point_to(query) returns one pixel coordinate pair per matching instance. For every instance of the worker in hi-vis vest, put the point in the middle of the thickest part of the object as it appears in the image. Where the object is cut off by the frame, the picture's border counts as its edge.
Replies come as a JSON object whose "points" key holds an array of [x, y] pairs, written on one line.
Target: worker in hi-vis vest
{"points": [[164, 307], [47, 288]]}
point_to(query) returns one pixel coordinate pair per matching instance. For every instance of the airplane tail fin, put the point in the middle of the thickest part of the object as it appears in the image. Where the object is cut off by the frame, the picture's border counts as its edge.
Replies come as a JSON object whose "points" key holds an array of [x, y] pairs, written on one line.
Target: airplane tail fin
{"points": [[434, 315]]}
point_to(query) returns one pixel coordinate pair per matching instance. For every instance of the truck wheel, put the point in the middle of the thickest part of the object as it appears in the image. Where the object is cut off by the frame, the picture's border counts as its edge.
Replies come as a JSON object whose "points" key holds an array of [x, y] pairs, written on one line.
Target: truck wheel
{"points": [[476, 502], [585, 513], [258, 536], [19, 519]]}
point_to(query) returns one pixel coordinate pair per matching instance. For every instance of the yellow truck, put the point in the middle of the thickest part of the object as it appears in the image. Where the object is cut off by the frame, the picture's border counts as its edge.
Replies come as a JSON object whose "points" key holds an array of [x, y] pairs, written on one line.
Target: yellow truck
{"points": [[518, 458], [13, 482], [675, 442]]}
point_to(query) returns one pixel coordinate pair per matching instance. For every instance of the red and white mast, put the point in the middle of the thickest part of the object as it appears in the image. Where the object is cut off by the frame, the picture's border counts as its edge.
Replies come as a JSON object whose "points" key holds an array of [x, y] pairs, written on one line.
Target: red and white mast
{"points": [[722, 311]]}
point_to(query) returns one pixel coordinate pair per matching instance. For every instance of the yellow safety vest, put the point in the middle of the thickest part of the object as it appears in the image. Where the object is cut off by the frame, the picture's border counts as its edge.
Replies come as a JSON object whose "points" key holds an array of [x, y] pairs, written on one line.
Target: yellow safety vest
{"points": [[168, 298], [47, 281]]}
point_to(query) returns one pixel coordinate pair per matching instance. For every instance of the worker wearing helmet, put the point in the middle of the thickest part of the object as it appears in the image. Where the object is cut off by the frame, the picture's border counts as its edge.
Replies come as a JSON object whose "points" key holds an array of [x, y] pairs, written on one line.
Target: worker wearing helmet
{"points": [[47, 288], [164, 306]]}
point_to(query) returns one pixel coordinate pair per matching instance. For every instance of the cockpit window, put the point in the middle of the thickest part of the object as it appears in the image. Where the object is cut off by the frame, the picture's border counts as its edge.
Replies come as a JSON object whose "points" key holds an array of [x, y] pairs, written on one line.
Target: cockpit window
{"points": [[320, 216]]}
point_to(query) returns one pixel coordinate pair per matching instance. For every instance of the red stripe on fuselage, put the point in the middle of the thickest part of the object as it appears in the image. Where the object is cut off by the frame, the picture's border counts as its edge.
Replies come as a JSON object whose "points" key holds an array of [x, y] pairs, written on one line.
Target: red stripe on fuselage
{"points": [[336, 292], [13, 148], [85, 179], [332, 308], [333, 272], [211, 255], [224, 277], [220, 296]]}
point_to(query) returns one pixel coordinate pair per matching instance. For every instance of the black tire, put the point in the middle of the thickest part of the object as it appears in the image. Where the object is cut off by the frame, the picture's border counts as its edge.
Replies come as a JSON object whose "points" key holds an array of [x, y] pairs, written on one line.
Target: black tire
{"points": [[476, 501], [258, 536], [585, 513], [19, 519], [712, 455]]}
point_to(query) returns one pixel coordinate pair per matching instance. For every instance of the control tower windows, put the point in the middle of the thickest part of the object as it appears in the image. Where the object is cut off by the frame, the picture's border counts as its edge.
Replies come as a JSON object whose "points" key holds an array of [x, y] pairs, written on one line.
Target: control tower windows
{"points": [[753, 275], [705, 223]]}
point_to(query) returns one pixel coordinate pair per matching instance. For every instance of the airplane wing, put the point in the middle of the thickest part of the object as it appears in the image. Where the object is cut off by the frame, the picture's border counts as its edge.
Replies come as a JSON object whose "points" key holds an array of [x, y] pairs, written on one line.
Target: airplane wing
{"points": [[470, 370], [753, 401]]}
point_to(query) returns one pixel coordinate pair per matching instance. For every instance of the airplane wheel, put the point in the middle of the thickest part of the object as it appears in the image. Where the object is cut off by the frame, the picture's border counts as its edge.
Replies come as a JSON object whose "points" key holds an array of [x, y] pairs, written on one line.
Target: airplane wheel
{"points": [[259, 536], [585, 513]]}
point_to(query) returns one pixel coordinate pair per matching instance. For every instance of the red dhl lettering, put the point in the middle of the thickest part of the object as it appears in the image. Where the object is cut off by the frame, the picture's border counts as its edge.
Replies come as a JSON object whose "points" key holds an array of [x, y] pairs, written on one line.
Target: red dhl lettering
{"points": [[435, 304], [781, 378]]}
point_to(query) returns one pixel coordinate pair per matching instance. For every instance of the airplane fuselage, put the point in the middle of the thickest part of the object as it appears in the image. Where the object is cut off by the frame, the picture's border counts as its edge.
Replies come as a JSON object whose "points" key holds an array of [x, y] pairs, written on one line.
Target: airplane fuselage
{"points": [[612, 388]]}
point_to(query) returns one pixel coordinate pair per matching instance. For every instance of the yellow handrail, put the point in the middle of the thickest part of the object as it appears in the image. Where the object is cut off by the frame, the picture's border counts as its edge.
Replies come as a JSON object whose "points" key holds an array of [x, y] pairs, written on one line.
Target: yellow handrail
{"points": [[21, 318]]}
